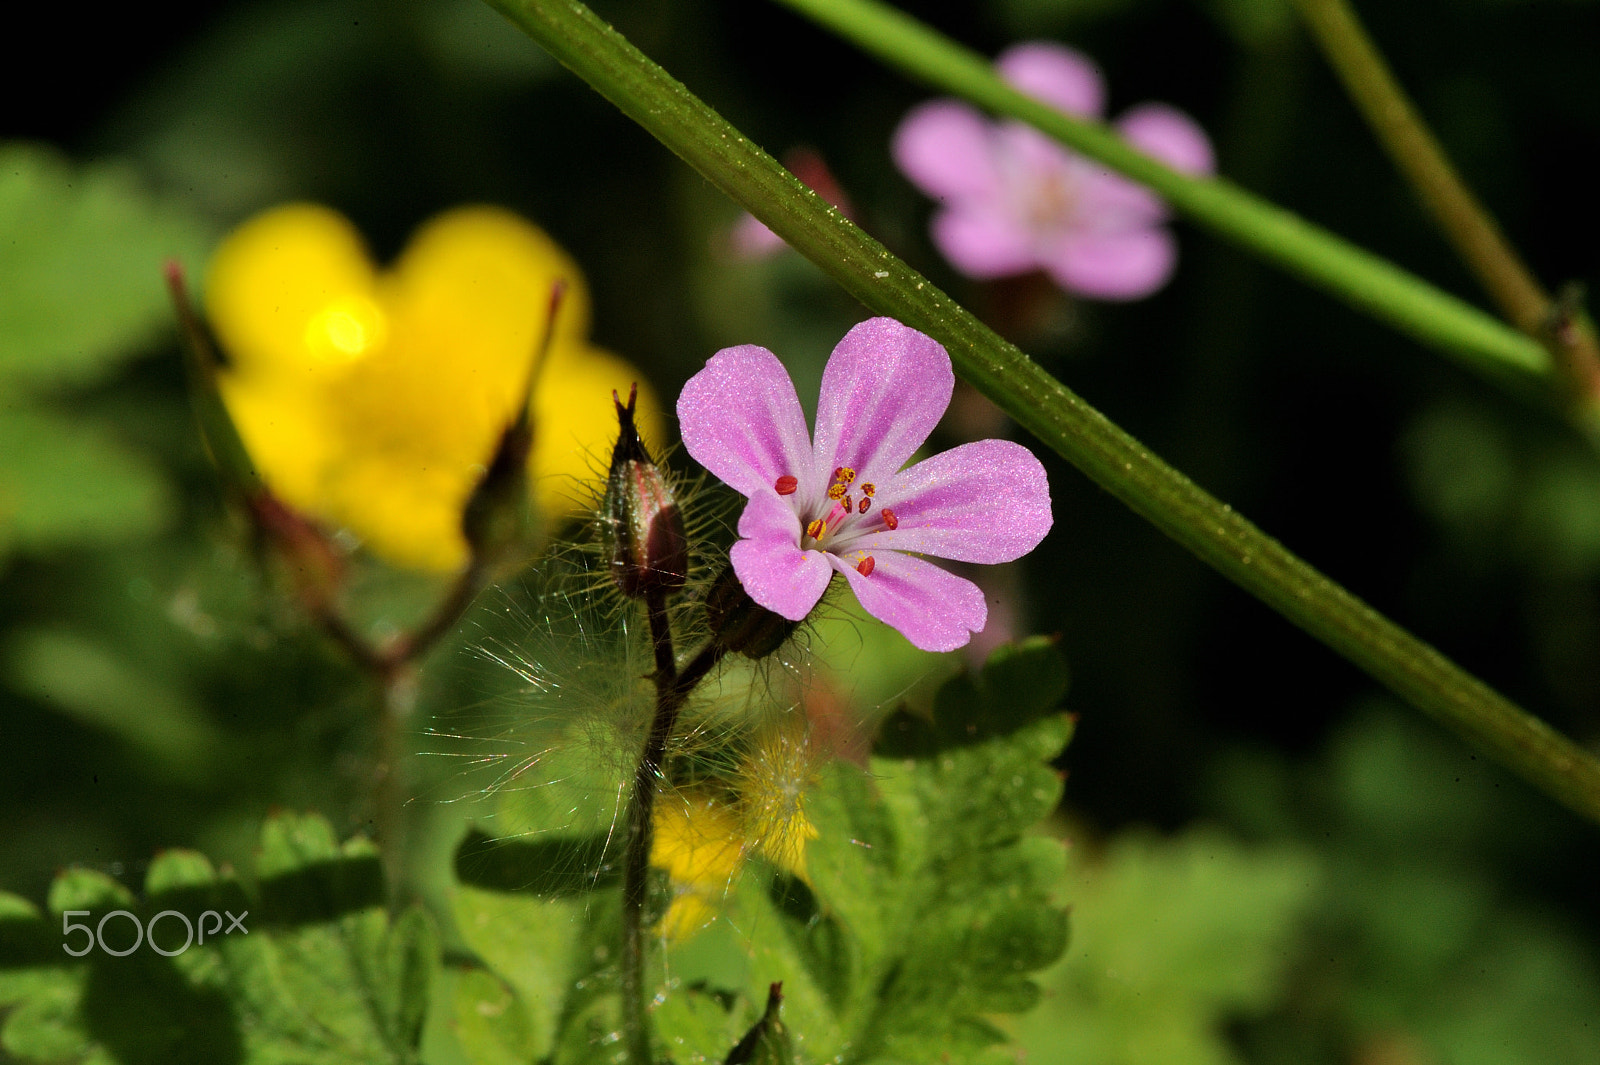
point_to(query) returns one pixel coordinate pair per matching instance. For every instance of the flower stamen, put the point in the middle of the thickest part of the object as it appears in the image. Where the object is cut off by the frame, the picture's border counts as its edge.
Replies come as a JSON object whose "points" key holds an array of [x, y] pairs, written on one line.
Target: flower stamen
{"points": [[889, 520], [864, 504], [865, 566], [787, 485]]}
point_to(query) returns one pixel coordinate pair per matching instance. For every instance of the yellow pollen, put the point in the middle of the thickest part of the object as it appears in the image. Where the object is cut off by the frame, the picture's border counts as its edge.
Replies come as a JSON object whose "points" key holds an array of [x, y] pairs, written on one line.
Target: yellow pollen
{"points": [[868, 488], [836, 492], [816, 529], [844, 474]]}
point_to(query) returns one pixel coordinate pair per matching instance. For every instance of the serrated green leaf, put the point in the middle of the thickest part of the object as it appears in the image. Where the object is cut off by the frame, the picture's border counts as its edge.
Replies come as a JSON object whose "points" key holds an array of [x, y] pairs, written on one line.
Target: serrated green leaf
{"points": [[316, 974], [942, 900], [81, 253], [92, 684], [65, 483]]}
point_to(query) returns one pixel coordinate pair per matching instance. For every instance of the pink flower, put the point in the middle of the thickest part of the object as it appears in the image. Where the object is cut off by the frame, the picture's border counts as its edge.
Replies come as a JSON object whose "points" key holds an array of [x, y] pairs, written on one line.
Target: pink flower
{"points": [[842, 503], [1014, 200]]}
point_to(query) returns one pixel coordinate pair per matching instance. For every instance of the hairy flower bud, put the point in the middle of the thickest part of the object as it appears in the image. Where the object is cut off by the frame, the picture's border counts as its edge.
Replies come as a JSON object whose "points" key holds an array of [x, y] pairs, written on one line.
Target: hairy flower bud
{"points": [[649, 551]]}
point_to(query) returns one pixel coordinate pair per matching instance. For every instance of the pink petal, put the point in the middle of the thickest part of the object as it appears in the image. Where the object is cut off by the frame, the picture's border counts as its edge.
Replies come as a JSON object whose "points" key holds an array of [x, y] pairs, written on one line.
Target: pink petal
{"points": [[1110, 203], [751, 239], [987, 501], [769, 563], [884, 389], [1170, 135], [944, 148], [1113, 266], [933, 608], [1055, 74], [983, 242], [740, 419]]}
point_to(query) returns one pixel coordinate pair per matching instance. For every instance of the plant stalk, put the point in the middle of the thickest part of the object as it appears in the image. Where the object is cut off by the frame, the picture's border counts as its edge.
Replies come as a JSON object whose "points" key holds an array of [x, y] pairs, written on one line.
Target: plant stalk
{"points": [[672, 689], [1468, 226]]}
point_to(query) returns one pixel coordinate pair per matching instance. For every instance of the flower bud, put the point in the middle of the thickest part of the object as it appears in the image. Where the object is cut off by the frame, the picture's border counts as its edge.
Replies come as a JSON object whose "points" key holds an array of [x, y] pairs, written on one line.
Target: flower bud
{"points": [[495, 520], [741, 624], [649, 551]]}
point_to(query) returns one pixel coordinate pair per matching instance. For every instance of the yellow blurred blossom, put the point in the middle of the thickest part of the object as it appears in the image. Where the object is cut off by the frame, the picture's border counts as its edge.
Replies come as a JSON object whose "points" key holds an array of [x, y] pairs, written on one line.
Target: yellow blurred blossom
{"points": [[775, 774], [703, 836], [374, 400], [700, 843]]}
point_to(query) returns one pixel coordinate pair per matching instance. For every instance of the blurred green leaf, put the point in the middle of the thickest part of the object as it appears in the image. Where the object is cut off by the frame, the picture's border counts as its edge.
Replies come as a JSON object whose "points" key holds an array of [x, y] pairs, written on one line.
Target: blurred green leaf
{"points": [[316, 973], [93, 684], [81, 253], [70, 482], [1171, 940]]}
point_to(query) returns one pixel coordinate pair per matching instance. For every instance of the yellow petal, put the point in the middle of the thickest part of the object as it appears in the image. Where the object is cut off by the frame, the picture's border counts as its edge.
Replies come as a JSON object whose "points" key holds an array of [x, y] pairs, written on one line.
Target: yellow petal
{"points": [[291, 293], [374, 402], [698, 841]]}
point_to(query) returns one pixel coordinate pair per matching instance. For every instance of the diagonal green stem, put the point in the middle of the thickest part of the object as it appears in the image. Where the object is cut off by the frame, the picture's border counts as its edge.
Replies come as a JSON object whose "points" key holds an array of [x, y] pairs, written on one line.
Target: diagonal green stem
{"points": [[1320, 258], [1063, 421]]}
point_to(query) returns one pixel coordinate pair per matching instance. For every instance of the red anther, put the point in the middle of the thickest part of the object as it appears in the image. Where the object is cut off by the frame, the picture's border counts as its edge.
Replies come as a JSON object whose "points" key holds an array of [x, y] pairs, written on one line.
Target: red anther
{"points": [[864, 504], [787, 485], [889, 519], [864, 567], [868, 488]]}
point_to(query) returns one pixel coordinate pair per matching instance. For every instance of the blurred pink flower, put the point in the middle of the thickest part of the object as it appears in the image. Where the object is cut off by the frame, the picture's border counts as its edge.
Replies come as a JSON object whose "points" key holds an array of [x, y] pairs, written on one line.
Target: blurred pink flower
{"points": [[1014, 200], [751, 239], [842, 503]]}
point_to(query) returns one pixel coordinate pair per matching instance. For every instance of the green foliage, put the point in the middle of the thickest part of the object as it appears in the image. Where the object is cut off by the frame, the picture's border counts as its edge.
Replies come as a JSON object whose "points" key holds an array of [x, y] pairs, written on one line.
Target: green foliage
{"points": [[925, 908], [92, 683], [1410, 943], [1171, 939], [81, 251], [317, 971], [80, 268]]}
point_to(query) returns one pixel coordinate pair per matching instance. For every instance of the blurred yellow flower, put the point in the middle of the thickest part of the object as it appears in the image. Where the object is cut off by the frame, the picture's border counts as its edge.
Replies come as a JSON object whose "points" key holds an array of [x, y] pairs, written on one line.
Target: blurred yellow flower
{"points": [[702, 838], [700, 843], [374, 400]]}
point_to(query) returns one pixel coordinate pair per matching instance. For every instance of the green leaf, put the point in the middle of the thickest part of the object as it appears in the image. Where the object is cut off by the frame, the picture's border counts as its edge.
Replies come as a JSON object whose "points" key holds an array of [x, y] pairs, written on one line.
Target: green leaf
{"points": [[314, 972], [1171, 939], [91, 683], [71, 482], [928, 907], [81, 253]]}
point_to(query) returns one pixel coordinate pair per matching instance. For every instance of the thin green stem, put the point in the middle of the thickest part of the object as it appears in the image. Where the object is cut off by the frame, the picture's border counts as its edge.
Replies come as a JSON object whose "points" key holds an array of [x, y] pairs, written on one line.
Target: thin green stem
{"points": [[1463, 220], [672, 690], [1058, 417], [1348, 272]]}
